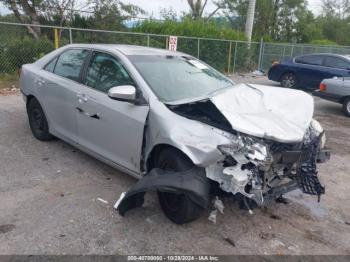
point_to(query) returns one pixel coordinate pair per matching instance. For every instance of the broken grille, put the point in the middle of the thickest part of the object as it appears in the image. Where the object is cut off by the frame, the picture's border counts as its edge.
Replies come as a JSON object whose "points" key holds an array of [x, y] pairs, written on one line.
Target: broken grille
{"points": [[307, 178]]}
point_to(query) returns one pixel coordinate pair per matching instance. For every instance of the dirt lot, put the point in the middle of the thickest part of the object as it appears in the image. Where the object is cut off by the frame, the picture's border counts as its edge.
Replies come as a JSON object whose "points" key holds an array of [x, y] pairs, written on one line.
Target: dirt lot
{"points": [[49, 203]]}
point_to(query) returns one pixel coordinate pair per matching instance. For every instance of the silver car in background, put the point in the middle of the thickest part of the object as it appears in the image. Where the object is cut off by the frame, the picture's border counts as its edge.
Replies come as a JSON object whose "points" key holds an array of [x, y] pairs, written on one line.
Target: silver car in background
{"points": [[184, 129], [337, 90]]}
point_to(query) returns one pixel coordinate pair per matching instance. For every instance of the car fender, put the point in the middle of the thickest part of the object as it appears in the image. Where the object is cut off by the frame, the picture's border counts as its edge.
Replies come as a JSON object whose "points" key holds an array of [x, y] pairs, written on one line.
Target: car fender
{"points": [[198, 141]]}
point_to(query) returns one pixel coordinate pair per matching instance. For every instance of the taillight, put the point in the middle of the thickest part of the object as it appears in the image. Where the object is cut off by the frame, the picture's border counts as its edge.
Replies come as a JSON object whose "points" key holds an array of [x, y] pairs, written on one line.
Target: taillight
{"points": [[323, 87]]}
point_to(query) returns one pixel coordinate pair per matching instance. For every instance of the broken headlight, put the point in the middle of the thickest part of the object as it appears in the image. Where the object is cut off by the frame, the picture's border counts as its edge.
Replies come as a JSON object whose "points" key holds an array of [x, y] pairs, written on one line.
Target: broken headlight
{"points": [[315, 129], [253, 149]]}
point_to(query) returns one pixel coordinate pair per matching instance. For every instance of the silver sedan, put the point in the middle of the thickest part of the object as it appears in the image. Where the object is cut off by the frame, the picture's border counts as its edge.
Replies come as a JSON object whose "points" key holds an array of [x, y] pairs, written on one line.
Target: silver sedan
{"points": [[184, 129]]}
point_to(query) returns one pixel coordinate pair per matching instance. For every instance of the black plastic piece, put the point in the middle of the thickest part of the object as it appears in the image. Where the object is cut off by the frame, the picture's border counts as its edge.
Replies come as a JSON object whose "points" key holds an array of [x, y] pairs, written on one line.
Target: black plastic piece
{"points": [[192, 183], [307, 178]]}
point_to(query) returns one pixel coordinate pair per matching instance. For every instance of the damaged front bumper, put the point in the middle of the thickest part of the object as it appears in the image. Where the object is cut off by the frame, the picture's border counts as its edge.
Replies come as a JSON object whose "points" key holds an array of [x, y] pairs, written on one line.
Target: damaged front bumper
{"points": [[256, 171], [261, 171], [192, 183]]}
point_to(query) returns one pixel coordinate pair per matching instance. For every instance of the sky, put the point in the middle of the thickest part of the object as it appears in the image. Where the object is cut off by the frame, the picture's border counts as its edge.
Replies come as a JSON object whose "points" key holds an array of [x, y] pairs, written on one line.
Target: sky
{"points": [[153, 7]]}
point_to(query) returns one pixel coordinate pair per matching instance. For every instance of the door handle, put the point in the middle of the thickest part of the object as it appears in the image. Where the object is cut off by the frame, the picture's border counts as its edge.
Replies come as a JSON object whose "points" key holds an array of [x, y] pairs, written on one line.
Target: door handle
{"points": [[95, 116], [79, 109]]}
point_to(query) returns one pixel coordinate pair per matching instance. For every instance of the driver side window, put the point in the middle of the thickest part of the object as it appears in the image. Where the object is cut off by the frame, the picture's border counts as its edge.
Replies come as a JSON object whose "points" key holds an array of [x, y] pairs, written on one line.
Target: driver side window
{"points": [[105, 72]]}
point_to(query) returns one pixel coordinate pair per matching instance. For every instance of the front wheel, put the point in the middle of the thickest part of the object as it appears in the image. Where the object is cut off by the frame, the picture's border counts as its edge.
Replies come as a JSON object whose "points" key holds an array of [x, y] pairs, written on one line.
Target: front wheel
{"points": [[179, 208], [346, 107], [289, 80]]}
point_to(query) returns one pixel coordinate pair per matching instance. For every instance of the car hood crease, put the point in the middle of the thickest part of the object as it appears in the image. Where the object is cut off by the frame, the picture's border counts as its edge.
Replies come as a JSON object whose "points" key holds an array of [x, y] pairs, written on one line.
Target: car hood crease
{"points": [[267, 112]]}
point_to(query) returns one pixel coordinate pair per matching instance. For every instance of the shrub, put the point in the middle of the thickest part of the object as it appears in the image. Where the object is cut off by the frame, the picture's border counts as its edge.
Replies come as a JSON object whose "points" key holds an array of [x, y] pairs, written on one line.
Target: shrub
{"points": [[323, 42], [15, 52], [213, 52]]}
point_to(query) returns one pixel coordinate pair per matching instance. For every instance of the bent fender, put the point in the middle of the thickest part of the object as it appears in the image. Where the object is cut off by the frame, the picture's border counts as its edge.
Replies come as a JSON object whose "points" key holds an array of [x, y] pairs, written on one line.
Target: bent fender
{"points": [[192, 183]]}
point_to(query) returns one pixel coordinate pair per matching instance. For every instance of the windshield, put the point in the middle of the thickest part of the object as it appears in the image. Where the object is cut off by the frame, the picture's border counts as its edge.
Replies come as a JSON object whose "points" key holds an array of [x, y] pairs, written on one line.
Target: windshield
{"points": [[174, 78]]}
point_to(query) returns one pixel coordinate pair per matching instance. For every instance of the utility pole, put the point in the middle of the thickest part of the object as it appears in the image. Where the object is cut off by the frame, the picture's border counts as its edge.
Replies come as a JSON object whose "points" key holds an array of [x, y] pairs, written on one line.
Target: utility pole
{"points": [[250, 20]]}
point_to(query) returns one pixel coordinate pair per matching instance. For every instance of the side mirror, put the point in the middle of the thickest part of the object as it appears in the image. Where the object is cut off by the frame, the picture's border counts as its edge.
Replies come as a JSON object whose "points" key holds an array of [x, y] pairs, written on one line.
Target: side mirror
{"points": [[126, 93]]}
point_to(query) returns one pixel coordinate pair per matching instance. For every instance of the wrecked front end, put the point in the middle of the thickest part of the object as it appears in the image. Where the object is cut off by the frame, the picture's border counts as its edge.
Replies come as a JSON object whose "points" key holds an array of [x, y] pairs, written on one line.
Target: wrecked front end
{"points": [[261, 170], [255, 143]]}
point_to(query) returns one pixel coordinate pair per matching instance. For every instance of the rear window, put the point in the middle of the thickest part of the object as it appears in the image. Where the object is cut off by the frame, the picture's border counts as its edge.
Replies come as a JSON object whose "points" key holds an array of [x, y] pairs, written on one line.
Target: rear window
{"points": [[51, 66], [69, 63], [337, 62], [309, 60]]}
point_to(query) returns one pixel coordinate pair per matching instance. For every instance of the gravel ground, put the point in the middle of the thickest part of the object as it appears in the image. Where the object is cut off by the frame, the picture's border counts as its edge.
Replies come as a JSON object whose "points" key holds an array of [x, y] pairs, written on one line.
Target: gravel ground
{"points": [[49, 203]]}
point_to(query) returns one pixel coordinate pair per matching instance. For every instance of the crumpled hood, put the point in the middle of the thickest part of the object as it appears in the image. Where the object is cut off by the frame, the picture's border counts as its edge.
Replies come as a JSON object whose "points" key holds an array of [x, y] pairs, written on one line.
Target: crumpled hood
{"points": [[268, 112]]}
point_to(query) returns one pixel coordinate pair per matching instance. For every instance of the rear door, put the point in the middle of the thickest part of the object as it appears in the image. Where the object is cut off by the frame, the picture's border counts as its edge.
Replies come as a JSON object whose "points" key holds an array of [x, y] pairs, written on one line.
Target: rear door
{"points": [[346, 87], [310, 72], [337, 66], [110, 128], [60, 86]]}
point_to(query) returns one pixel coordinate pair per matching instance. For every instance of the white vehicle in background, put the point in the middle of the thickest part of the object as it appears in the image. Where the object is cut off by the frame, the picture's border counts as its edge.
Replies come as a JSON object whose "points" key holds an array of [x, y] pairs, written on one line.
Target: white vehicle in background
{"points": [[337, 90], [184, 129]]}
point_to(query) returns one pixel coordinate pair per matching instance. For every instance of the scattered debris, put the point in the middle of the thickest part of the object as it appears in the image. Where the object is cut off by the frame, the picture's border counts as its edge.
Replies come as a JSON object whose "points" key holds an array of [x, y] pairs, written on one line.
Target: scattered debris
{"points": [[276, 243], [9, 91], [58, 171], [219, 205], [102, 200], [266, 235], [273, 216], [257, 73], [122, 195], [230, 241], [282, 200], [6, 228], [212, 216], [294, 248]]}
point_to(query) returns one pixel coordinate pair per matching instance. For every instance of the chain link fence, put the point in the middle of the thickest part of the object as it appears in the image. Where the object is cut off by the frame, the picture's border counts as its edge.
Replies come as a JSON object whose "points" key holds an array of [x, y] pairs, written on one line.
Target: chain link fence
{"points": [[18, 46]]}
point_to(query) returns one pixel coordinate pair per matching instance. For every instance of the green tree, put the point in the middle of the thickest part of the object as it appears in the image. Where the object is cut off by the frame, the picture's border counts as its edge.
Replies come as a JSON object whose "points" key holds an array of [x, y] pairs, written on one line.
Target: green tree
{"points": [[111, 14], [277, 20]]}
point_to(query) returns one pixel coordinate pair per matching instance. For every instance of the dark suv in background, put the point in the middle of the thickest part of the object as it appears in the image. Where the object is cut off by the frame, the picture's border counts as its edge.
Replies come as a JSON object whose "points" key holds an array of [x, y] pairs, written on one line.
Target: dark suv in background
{"points": [[307, 71]]}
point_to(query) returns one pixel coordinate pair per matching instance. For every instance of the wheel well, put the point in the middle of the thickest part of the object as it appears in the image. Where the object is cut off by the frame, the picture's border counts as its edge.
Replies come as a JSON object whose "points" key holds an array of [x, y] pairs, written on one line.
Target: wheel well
{"points": [[286, 72], [29, 97], [342, 100], [155, 153]]}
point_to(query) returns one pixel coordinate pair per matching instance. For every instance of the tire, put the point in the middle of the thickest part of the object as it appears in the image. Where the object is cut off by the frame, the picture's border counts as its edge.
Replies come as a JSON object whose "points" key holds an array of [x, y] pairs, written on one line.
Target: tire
{"points": [[37, 121], [289, 80], [179, 208], [346, 107]]}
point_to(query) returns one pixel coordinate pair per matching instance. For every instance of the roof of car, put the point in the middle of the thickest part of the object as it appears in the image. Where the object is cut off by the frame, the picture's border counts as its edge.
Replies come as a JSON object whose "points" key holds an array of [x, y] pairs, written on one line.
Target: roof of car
{"points": [[130, 49], [347, 56]]}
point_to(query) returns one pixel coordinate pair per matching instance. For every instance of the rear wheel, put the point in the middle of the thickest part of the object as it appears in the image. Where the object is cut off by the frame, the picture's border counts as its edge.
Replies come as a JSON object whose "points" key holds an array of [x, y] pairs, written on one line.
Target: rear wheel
{"points": [[289, 80], [346, 107], [37, 121], [179, 208]]}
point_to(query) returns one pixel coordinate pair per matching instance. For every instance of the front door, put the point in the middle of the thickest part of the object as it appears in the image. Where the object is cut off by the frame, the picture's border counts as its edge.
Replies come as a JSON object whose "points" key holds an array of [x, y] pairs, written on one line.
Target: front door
{"points": [[110, 128]]}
